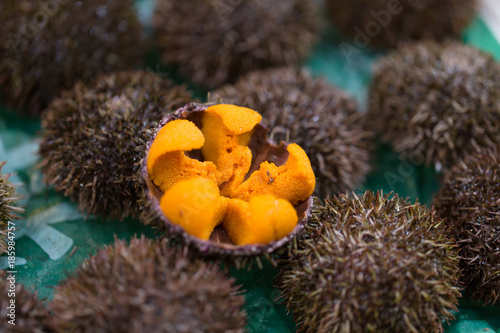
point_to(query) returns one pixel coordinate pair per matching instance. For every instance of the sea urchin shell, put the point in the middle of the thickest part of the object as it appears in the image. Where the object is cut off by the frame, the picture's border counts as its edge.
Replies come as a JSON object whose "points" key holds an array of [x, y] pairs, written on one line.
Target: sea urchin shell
{"points": [[470, 202], [376, 264], [218, 243], [91, 136]]}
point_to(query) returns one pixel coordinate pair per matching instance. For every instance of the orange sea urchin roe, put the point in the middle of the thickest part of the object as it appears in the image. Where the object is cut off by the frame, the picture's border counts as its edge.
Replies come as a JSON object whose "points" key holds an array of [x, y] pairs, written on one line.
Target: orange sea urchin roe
{"points": [[262, 220], [293, 181], [167, 163], [227, 130], [195, 205]]}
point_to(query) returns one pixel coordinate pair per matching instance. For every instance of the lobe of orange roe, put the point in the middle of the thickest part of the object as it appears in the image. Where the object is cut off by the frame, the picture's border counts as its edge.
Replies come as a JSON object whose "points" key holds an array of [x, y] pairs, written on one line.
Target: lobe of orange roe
{"points": [[293, 181], [195, 205], [227, 130], [168, 164], [262, 220]]}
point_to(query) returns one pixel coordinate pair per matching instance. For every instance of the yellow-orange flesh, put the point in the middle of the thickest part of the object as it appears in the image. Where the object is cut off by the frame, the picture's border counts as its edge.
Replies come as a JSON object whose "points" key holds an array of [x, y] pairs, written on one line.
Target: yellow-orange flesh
{"points": [[198, 195]]}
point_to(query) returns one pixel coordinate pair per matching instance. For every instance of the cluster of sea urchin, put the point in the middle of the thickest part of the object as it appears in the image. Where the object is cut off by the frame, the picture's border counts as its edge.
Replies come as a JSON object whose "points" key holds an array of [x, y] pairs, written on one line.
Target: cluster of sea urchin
{"points": [[437, 102], [7, 207], [27, 313], [387, 23], [47, 46], [91, 136], [147, 287], [214, 42], [313, 113], [376, 264], [470, 202]]}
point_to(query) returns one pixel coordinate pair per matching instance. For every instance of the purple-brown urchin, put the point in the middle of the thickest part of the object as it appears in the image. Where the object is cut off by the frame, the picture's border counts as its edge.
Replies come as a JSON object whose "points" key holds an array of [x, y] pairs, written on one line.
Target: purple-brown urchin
{"points": [[437, 102], [313, 113], [47, 46], [387, 23], [26, 314], [147, 287], [470, 202], [8, 209], [218, 244], [375, 264], [91, 136], [215, 42]]}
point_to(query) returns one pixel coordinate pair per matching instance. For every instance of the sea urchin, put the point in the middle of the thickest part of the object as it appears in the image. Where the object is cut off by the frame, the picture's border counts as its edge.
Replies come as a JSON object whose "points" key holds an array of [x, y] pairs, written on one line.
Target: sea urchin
{"points": [[147, 287], [437, 102], [376, 264], [470, 202], [91, 136]]}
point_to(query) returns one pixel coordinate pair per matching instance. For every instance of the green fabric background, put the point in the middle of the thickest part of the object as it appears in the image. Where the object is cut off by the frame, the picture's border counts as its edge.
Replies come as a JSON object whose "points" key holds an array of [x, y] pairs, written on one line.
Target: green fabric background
{"points": [[52, 218]]}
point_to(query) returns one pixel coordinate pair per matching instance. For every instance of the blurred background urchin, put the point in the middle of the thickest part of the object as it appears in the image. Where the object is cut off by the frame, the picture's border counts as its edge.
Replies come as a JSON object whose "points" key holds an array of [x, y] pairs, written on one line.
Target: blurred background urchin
{"points": [[91, 136], [313, 113], [387, 23], [437, 101], [214, 42], [47, 46]]}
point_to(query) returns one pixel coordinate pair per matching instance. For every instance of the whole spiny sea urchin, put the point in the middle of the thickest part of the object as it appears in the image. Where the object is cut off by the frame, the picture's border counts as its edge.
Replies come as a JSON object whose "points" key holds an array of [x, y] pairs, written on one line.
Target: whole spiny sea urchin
{"points": [[214, 42], [437, 102], [470, 202], [376, 264], [313, 113], [27, 314], [8, 210], [147, 287], [91, 136], [47, 46], [387, 23]]}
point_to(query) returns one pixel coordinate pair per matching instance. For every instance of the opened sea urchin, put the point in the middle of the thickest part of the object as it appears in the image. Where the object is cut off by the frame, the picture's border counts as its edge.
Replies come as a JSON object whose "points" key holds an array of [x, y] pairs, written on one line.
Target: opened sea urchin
{"points": [[388, 23], [470, 202], [437, 102], [21, 310], [214, 181], [376, 264], [8, 209], [47, 46], [214, 42], [313, 113], [91, 136], [147, 287]]}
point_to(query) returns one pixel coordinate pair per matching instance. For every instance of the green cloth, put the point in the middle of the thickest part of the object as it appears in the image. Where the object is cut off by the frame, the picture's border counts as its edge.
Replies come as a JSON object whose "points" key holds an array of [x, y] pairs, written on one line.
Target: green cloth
{"points": [[54, 238]]}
